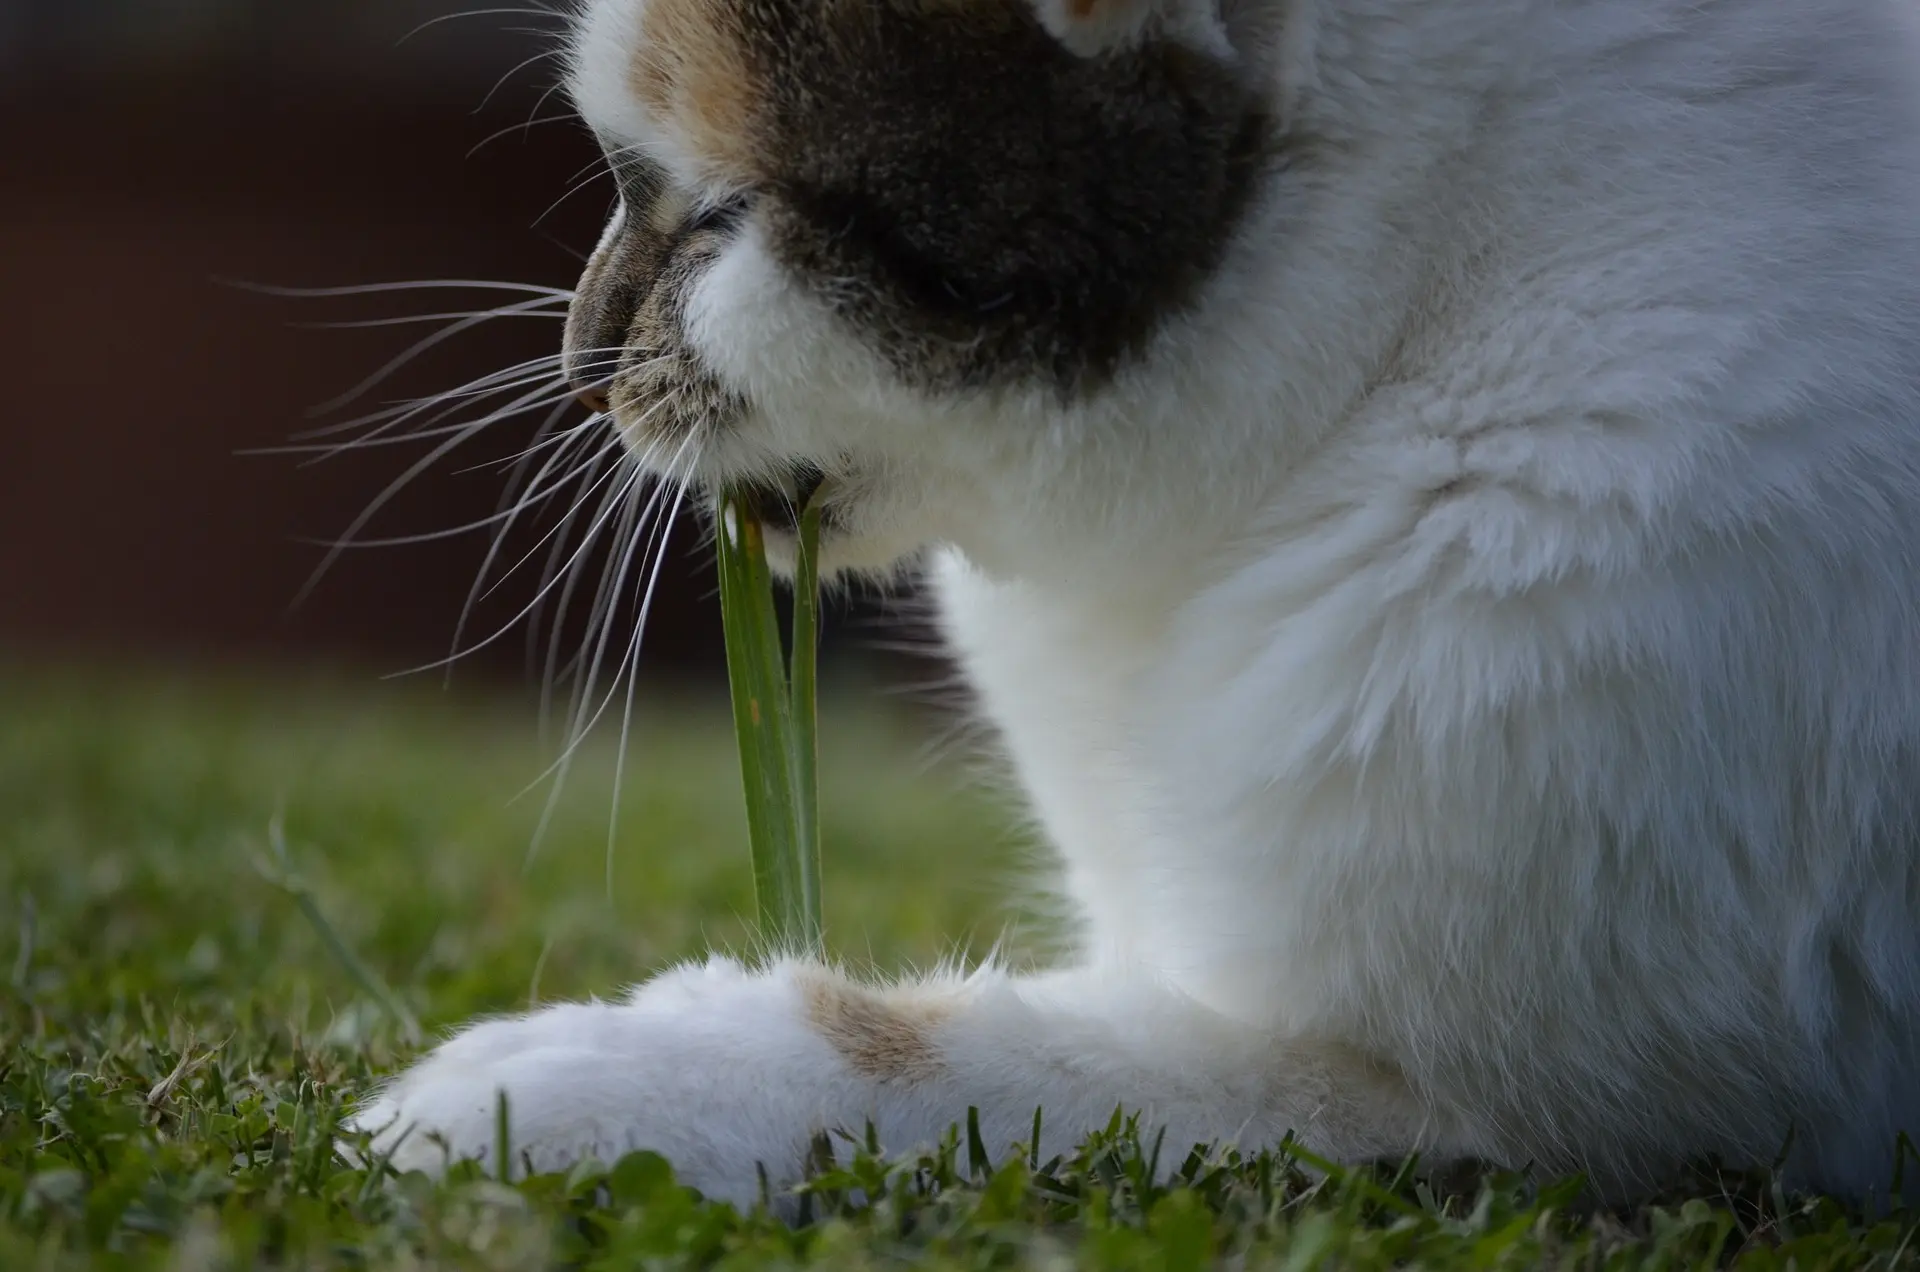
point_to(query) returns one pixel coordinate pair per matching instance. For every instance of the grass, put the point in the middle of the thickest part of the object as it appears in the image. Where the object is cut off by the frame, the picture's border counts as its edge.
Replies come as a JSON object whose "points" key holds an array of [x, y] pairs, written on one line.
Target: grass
{"points": [[775, 722], [177, 1038]]}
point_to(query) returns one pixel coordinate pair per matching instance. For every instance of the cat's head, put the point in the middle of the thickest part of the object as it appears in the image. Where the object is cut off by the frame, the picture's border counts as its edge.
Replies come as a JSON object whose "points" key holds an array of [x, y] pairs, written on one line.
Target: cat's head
{"points": [[908, 245]]}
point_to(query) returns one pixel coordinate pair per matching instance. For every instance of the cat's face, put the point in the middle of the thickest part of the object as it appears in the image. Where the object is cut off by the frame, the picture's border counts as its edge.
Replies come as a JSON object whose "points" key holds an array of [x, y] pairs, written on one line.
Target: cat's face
{"points": [[872, 240]]}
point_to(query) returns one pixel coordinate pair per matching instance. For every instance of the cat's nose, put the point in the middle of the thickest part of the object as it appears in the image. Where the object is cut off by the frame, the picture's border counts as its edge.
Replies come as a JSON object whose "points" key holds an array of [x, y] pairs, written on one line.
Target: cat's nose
{"points": [[593, 396]]}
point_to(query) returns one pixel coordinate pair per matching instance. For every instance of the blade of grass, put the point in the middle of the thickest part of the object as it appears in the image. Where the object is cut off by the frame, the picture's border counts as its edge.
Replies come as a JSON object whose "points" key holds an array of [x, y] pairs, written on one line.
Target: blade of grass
{"points": [[782, 816], [805, 747], [282, 875]]}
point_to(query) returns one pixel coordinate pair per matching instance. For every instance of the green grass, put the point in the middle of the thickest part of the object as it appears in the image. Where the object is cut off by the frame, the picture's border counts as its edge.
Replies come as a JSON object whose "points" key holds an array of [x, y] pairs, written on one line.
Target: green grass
{"points": [[775, 722], [177, 1038]]}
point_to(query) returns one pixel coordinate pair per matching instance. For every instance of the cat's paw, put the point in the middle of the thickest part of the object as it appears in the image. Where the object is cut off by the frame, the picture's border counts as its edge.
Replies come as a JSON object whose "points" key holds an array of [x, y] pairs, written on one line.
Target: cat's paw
{"points": [[711, 1065]]}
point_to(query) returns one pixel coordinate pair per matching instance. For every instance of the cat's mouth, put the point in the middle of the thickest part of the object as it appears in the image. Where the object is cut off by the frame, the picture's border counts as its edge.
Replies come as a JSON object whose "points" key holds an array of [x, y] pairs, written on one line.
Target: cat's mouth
{"points": [[777, 505]]}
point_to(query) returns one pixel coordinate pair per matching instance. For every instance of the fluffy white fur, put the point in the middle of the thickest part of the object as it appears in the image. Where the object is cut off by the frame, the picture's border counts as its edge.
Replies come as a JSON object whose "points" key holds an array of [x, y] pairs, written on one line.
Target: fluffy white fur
{"points": [[1469, 669]]}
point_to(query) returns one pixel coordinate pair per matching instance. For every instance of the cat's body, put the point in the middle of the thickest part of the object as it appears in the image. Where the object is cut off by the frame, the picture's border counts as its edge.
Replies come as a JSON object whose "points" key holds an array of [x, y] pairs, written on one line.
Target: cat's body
{"points": [[1460, 627]]}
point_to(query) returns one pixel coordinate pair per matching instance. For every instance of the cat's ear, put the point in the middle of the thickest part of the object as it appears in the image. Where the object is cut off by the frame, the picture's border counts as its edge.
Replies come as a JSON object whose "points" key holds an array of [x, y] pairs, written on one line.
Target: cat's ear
{"points": [[1093, 27]]}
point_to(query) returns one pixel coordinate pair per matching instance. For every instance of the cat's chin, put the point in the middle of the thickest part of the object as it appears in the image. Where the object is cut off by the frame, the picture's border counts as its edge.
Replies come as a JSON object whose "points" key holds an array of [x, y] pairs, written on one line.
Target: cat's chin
{"points": [[853, 540], [844, 553]]}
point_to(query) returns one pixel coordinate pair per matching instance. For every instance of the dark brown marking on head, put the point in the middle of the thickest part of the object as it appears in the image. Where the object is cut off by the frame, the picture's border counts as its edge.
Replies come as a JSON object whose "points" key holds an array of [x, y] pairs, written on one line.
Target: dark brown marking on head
{"points": [[984, 205]]}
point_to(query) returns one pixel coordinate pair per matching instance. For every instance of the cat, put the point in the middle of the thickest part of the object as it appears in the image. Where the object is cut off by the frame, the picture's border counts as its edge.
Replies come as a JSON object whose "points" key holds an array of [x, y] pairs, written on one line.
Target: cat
{"points": [[1428, 495]]}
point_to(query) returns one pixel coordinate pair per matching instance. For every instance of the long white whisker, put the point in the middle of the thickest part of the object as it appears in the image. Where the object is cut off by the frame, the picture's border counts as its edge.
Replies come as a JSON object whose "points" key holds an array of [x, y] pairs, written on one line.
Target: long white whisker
{"points": [[518, 67], [419, 466], [417, 284], [492, 382], [405, 359], [597, 612], [614, 500], [493, 519], [564, 442], [561, 396], [658, 549], [570, 572], [577, 187], [544, 439], [525, 126], [602, 622], [478, 13], [613, 447], [606, 601], [367, 324], [601, 617], [582, 727], [542, 370], [546, 97]]}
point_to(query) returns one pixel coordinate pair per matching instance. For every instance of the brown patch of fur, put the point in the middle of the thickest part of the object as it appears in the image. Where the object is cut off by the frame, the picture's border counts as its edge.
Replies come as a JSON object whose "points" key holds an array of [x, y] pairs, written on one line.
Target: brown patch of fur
{"points": [[886, 1035], [692, 69]]}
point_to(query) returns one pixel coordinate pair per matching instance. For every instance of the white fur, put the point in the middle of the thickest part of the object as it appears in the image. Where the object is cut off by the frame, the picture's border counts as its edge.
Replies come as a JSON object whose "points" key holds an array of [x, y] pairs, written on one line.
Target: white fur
{"points": [[1470, 669]]}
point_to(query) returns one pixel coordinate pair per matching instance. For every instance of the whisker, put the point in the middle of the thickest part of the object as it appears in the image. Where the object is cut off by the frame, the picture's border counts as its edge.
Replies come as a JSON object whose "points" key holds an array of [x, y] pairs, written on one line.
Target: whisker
{"points": [[601, 616], [386, 496], [589, 474], [406, 358], [367, 324], [613, 447], [600, 170], [448, 403], [570, 250], [428, 424], [570, 669], [563, 443], [602, 164], [479, 13], [583, 725], [436, 536], [572, 574], [452, 399], [613, 499], [544, 438], [601, 622], [546, 97], [374, 289], [523, 128], [542, 56], [658, 550]]}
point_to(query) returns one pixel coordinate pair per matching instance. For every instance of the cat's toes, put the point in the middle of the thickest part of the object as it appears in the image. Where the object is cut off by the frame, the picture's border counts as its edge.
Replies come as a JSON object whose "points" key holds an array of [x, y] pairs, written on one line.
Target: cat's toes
{"points": [[710, 1066], [567, 1097]]}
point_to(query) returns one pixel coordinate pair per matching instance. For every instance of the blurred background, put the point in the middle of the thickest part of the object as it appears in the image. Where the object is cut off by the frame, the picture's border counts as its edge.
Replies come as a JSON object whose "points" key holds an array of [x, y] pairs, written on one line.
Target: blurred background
{"points": [[156, 151]]}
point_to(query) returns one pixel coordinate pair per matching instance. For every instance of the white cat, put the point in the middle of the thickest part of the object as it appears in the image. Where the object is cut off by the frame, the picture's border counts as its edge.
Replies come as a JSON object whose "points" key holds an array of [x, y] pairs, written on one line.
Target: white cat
{"points": [[1429, 493]]}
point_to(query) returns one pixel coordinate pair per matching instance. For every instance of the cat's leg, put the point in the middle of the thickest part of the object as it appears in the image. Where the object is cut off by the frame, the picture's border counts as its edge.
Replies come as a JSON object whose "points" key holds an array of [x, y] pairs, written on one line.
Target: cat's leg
{"points": [[724, 1070]]}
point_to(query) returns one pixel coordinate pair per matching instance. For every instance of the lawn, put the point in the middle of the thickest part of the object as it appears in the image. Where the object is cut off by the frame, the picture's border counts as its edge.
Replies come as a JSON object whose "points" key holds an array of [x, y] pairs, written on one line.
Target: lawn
{"points": [[178, 1034]]}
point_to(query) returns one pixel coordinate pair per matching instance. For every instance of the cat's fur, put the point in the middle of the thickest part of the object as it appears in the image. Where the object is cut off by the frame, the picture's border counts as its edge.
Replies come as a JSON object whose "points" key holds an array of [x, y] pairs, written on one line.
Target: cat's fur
{"points": [[1429, 493]]}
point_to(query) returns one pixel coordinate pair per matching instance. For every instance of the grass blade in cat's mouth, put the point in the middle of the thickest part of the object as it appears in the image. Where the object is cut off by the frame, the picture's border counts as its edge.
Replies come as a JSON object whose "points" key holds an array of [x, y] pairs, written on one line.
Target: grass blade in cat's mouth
{"points": [[776, 506]]}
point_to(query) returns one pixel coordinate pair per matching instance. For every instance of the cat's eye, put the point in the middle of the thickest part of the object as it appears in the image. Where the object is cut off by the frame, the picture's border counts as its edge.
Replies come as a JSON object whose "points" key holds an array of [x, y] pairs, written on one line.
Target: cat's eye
{"points": [[723, 215]]}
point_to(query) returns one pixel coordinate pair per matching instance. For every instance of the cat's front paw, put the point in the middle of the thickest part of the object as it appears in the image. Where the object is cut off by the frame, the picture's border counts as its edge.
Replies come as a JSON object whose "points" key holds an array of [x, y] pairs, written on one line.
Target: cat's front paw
{"points": [[710, 1065]]}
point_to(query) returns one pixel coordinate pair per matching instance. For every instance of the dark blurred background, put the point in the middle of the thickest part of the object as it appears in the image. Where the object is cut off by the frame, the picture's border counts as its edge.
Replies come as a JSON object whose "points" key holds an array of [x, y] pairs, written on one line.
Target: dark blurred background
{"points": [[152, 149]]}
